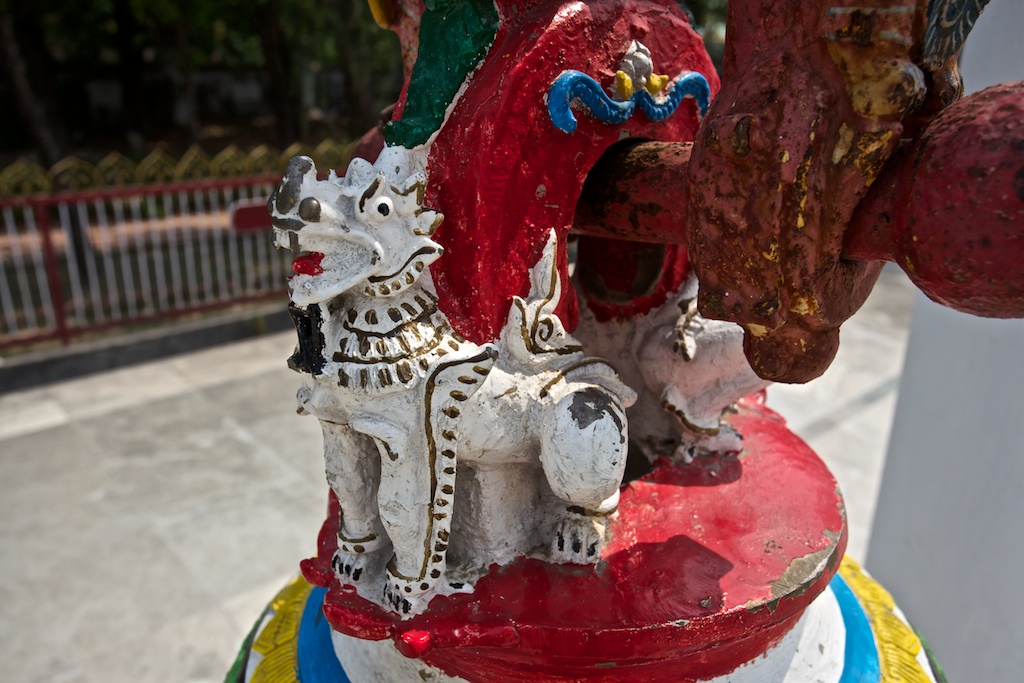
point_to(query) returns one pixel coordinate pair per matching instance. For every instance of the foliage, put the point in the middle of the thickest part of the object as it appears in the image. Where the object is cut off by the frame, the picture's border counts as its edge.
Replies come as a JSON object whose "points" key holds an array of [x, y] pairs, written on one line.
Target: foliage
{"points": [[709, 20], [70, 44], [155, 50]]}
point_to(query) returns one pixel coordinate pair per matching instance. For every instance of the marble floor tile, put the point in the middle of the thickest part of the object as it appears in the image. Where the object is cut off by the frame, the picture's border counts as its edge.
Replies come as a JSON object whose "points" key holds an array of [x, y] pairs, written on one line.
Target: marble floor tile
{"points": [[32, 410], [252, 541], [269, 393], [246, 606], [234, 362], [296, 440], [87, 584], [193, 649], [55, 458], [148, 514], [178, 479], [123, 388]]}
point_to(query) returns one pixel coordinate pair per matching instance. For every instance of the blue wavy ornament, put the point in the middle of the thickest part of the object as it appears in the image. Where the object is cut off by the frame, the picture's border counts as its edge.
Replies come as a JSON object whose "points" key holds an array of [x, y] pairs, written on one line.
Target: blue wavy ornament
{"points": [[576, 85]]}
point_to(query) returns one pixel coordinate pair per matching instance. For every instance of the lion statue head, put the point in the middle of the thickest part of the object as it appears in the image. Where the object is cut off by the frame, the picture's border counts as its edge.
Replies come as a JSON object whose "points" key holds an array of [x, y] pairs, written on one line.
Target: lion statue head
{"points": [[365, 233]]}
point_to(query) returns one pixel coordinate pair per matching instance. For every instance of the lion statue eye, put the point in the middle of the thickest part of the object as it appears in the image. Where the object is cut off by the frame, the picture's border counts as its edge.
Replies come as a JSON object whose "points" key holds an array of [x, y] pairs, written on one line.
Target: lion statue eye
{"points": [[385, 207], [309, 210]]}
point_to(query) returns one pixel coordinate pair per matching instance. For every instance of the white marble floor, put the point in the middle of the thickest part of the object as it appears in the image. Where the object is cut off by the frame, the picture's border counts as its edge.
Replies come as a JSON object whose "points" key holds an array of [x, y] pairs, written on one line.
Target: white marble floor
{"points": [[148, 514]]}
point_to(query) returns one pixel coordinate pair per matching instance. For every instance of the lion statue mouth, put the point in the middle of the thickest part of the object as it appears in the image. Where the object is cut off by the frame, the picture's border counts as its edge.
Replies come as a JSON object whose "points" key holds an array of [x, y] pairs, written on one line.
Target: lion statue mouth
{"points": [[308, 264]]}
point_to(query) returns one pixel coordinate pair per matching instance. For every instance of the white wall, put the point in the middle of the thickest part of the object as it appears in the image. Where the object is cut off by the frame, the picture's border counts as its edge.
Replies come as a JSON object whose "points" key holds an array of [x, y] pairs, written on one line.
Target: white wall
{"points": [[948, 536]]}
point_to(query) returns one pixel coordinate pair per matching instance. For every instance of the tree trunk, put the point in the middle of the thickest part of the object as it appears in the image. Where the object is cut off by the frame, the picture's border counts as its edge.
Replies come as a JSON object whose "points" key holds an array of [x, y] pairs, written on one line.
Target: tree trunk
{"points": [[33, 108], [36, 113], [130, 67], [277, 61], [360, 113], [188, 81]]}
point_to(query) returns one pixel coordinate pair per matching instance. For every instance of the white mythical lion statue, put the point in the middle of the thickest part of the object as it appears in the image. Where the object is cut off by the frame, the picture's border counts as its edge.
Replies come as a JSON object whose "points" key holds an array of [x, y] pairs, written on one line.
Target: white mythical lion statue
{"points": [[443, 453]]}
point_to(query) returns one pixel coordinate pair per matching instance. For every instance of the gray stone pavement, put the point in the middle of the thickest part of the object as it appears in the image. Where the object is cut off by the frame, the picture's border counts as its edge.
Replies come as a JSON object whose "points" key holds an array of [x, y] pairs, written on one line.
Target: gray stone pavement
{"points": [[148, 514]]}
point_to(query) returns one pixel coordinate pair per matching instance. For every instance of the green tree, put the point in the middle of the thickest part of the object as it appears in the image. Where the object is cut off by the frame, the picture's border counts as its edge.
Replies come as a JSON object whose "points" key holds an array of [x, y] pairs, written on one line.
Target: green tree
{"points": [[31, 103], [342, 34], [61, 45]]}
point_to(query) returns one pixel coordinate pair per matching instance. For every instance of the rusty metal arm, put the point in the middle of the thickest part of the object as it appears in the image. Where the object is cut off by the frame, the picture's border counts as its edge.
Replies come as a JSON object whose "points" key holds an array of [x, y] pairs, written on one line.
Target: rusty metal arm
{"points": [[948, 207], [800, 179]]}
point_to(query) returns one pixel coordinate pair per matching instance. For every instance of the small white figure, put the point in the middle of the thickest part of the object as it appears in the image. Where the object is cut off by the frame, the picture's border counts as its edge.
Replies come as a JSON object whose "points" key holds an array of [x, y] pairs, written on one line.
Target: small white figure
{"points": [[687, 371]]}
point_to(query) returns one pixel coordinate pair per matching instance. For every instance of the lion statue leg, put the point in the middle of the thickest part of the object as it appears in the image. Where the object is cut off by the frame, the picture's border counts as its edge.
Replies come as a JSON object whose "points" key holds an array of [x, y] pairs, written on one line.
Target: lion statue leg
{"points": [[353, 472], [583, 453]]}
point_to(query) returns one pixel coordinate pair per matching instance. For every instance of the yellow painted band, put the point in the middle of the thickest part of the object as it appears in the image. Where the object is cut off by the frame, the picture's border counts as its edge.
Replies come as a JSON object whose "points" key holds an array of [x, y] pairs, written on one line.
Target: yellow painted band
{"points": [[278, 641], [898, 645]]}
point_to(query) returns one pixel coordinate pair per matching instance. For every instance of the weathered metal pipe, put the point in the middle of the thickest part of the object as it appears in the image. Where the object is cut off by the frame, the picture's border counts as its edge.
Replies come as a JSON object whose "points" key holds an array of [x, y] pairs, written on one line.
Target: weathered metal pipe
{"points": [[638, 192], [948, 208]]}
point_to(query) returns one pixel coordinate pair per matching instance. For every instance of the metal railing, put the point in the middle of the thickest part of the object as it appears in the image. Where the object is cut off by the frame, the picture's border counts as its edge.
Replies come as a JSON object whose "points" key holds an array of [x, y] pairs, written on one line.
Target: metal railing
{"points": [[77, 262]]}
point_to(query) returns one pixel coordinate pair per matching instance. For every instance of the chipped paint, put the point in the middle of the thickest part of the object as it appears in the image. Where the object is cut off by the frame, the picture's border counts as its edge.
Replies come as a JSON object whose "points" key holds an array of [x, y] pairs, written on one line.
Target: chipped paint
{"points": [[882, 83], [804, 305], [802, 173], [801, 190], [804, 571], [873, 148], [843, 144]]}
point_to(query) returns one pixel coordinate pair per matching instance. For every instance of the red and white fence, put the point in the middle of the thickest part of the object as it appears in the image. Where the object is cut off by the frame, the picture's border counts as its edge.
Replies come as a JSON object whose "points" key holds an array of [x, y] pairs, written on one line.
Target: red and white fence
{"points": [[72, 263]]}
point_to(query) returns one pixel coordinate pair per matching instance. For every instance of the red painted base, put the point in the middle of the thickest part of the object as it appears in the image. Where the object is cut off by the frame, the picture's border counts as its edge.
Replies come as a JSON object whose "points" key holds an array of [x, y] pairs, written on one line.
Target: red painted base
{"points": [[708, 565]]}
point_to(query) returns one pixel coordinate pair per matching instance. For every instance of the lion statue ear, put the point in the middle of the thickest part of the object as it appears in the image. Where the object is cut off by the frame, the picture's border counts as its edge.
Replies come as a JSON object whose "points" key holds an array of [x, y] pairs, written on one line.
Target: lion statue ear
{"points": [[358, 173], [408, 198], [409, 193], [427, 222]]}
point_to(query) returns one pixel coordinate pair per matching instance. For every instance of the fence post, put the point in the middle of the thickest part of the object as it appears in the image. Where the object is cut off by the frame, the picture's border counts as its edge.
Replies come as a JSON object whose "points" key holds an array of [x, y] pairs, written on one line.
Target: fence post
{"points": [[42, 216]]}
